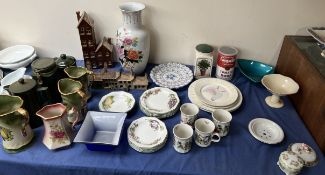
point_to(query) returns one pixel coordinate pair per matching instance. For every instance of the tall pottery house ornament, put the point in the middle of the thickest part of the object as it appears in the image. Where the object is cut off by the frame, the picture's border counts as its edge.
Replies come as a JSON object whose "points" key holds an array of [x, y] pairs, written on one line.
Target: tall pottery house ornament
{"points": [[95, 56], [133, 40]]}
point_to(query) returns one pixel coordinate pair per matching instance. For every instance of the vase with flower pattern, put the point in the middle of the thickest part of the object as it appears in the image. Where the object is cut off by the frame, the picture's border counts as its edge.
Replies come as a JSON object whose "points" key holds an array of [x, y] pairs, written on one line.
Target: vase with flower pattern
{"points": [[133, 40]]}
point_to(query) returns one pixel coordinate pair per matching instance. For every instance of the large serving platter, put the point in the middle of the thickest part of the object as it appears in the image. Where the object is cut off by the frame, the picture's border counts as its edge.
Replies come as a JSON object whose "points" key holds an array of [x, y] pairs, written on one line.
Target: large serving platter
{"points": [[147, 134], [118, 101], [159, 102], [171, 75], [208, 108], [16, 54], [266, 131], [216, 93], [23, 63]]}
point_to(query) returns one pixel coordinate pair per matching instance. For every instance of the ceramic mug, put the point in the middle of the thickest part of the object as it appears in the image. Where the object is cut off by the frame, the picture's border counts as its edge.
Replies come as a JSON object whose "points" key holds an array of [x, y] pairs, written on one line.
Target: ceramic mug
{"points": [[182, 138], [221, 118], [189, 112], [204, 132]]}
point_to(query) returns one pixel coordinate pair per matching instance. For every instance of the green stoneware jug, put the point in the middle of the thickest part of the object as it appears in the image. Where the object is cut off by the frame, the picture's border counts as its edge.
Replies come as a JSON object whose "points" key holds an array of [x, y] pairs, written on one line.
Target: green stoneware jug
{"points": [[15, 130], [80, 74], [73, 98]]}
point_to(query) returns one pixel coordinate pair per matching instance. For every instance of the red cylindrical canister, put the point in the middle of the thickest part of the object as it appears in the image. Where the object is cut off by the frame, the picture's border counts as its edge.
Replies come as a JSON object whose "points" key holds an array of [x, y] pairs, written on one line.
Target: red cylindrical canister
{"points": [[226, 62]]}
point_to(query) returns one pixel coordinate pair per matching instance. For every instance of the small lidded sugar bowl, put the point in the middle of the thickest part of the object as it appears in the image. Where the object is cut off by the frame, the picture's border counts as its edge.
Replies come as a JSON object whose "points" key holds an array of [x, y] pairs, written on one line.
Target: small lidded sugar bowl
{"points": [[305, 152], [290, 163]]}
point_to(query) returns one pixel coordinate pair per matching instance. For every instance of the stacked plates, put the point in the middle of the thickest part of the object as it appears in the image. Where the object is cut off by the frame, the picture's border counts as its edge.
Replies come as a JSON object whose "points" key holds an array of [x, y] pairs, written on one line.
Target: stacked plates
{"points": [[17, 56], [213, 93], [159, 102], [147, 134]]}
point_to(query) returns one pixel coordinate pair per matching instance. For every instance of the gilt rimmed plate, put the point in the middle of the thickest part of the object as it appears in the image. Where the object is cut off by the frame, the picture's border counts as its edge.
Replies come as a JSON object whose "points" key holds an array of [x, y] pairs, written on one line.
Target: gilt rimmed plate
{"points": [[266, 131], [159, 101], [171, 75], [216, 93], [118, 101], [147, 134], [194, 99]]}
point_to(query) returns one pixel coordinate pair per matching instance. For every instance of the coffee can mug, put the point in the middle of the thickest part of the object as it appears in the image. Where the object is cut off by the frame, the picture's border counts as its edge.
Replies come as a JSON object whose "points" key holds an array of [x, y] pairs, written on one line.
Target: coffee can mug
{"points": [[222, 118], [204, 132], [183, 134], [189, 112]]}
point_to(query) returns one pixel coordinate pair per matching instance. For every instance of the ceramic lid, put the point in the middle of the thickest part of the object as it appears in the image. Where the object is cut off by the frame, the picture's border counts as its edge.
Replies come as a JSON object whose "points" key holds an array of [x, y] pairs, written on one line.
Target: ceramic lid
{"points": [[291, 161], [43, 64], [22, 85], [65, 61], [304, 151], [204, 48]]}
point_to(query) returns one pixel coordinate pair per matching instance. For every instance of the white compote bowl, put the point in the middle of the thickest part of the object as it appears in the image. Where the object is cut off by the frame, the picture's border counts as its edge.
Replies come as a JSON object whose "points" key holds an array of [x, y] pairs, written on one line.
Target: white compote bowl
{"points": [[278, 85]]}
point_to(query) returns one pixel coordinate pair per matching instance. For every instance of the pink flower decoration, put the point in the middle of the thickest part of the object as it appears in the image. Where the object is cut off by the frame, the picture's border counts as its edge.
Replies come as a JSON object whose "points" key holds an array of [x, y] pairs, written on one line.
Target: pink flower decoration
{"points": [[127, 41]]}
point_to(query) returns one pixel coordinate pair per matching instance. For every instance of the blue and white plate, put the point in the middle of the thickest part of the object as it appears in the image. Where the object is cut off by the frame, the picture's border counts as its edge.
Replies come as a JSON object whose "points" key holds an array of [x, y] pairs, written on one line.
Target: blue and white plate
{"points": [[171, 75]]}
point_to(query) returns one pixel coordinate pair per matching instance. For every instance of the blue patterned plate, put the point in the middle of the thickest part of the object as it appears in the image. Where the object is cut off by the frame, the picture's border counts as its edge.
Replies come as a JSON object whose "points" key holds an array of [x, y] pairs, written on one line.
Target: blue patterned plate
{"points": [[254, 70]]}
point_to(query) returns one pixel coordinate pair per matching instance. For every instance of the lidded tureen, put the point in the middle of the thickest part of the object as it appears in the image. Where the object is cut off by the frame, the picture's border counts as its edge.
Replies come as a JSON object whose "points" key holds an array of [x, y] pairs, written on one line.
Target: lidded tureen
{"points": [[290, 163], [305, 152]]}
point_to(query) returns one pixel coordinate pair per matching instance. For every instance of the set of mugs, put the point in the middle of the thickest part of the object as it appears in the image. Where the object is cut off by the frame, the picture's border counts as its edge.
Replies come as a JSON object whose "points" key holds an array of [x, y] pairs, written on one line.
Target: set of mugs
{"points": [[205, 131]]}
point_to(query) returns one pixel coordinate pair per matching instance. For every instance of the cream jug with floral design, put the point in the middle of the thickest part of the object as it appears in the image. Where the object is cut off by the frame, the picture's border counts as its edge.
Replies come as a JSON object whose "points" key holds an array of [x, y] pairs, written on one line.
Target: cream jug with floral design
{"points": [[58, 131], [15, 130]]}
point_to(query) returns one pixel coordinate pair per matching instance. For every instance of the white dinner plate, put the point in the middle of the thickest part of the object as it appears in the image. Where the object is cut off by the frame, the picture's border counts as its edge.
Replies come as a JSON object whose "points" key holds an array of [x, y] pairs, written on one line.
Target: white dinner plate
{"points": [[266, 131], [16, 54], [216, 92], [23, 63], [194, 99]]}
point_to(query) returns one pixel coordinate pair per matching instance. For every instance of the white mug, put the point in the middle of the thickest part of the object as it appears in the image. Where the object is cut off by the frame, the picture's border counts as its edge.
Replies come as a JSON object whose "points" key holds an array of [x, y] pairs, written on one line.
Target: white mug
{"points": [[204, 132], [222, 118], [189, 112], [182, 138]]}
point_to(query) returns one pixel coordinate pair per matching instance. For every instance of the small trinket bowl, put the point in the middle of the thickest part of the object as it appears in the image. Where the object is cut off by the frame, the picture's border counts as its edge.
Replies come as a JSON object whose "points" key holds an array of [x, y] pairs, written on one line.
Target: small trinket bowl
{"points": [[101, 131], [290, 163]]}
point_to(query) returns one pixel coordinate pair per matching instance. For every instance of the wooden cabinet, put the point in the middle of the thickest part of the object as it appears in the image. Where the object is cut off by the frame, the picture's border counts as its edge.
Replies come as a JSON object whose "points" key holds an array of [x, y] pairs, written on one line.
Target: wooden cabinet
{"points": [[300, 59]]}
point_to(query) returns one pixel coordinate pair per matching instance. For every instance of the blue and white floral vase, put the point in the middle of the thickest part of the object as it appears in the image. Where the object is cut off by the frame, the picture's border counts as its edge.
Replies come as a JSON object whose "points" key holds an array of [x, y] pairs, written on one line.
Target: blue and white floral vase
{"points": [[133, 40]]}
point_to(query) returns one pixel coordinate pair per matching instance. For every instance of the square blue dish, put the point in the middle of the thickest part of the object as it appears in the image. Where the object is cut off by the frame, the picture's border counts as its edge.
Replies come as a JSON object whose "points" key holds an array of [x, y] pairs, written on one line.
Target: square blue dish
{"points": [[254, 70], [101, 131]]}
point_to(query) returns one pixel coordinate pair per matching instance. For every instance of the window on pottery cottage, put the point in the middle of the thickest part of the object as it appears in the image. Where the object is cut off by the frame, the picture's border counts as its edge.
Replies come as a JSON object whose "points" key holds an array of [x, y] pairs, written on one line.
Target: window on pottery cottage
{"points": [[99, 54], [92, 54], [88, 31], [107, 54], [84, 43], [82, 30], [90, 43]]}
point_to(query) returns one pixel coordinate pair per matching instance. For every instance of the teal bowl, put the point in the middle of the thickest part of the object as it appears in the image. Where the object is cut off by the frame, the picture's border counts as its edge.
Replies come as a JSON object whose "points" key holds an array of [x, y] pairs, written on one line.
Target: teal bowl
{"points": [[254, 70]]}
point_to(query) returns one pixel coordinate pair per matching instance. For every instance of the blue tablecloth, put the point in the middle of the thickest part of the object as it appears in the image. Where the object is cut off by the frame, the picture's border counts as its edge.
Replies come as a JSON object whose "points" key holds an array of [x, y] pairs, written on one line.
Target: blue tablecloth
{"points": [[237, 153]]}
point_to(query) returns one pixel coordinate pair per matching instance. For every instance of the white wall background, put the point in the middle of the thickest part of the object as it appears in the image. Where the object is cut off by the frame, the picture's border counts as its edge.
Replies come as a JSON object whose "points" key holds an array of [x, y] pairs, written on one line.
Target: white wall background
{"points": [[255, 27]]}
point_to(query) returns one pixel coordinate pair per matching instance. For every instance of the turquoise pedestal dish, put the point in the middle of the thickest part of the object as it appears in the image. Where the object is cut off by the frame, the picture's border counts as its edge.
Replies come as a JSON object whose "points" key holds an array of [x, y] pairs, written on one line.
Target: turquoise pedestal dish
{"points": [[254, 70]]}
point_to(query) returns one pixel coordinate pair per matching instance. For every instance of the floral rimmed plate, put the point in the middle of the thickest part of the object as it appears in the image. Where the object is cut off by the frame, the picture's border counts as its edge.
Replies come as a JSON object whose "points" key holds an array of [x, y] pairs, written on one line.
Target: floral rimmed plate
{"points": [[216, 93], [171, 75], [266, 131], [118, 101], [159, 102], [147, 134]]}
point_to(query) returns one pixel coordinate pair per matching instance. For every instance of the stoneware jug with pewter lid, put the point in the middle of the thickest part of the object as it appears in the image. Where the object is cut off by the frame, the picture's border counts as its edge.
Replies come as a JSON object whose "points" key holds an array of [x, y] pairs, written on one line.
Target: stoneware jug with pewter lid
{"points": [[63, 62], [45, 73], [80, 74], [15, 130], [58, 131], [27, 90], [73, 98], [133, 40]]}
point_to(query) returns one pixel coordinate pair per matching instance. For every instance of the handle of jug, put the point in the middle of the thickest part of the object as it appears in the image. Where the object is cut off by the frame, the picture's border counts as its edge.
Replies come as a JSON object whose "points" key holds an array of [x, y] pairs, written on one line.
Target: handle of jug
{"points": [[25, 115]]}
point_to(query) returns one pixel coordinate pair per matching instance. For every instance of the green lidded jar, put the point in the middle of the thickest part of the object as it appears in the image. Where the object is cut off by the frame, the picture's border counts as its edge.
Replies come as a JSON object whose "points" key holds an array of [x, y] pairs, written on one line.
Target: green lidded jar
{"points": [[63, 62], [27, 90]]}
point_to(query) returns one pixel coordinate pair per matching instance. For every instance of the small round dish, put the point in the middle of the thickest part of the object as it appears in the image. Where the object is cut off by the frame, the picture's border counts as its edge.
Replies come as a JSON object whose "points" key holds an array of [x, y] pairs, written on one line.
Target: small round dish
{"points": [[266, 131], [305, 152], [290, 163], [171, 75], [147, 134], [118, 101]]}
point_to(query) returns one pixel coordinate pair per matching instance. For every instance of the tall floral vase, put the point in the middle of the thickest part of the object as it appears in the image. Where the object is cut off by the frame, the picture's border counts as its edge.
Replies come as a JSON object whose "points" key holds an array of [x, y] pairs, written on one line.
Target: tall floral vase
{"points": [[133, 40]]}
